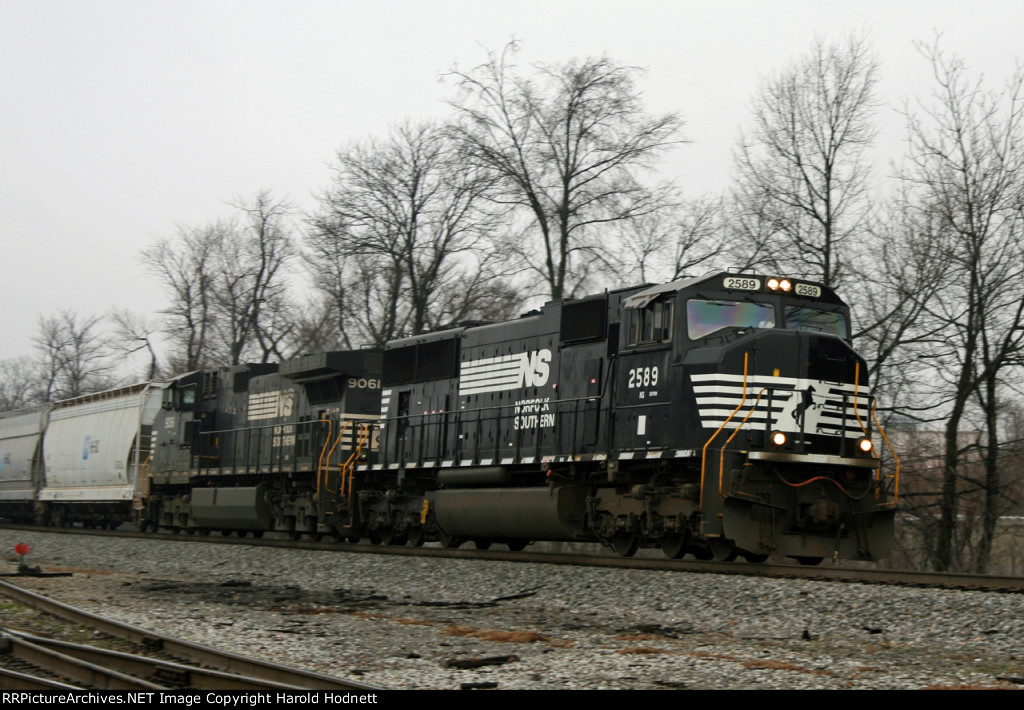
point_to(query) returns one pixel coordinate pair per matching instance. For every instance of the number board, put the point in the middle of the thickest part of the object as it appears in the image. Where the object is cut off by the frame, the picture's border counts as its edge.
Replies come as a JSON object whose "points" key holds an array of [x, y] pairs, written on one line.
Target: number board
{"points": [[807, 290], [741, 283]]}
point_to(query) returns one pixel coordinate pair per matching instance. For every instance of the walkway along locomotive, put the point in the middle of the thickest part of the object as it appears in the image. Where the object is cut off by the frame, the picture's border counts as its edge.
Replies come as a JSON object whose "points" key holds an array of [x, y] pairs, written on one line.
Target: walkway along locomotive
{"points": [[720, 415]]}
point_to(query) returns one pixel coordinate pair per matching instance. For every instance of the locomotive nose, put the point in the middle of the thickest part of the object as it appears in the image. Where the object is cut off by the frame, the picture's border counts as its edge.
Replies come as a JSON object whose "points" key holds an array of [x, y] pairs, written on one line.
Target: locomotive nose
{"points": [[794, 391], [797, 354]]}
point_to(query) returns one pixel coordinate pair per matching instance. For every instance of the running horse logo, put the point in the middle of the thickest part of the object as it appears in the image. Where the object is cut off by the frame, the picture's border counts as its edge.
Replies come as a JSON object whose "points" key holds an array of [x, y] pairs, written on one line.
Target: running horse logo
{"points": [[794, 414], [807, 402]]}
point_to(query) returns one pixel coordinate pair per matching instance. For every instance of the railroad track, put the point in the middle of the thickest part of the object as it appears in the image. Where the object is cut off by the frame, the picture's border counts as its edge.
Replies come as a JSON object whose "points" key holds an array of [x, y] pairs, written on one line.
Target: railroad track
{"points": [[29, 662], [826, 571]]}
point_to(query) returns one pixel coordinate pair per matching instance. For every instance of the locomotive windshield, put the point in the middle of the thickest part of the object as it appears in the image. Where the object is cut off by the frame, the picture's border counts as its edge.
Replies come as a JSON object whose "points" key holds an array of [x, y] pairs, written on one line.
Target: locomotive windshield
{"points": [[703, 318], [800, 318], [707, 317]]}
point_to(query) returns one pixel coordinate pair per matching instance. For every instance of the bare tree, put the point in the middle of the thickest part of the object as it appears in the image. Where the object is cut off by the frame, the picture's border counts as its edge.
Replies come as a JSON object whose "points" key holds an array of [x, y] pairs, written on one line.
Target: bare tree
{"points": [[250, 286], [566, 147], [404, 241], [72, 359], [227, 286], [964, 171], [317, 327], [684, 239], [801, 173], [898, 276], [185, 266], [19, 383], [133, 334]]}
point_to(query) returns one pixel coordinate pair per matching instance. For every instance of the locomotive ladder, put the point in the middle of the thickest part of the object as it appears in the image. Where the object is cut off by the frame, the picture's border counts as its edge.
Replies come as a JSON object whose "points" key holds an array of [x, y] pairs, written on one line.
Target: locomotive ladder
{"points": [[346, 469]]}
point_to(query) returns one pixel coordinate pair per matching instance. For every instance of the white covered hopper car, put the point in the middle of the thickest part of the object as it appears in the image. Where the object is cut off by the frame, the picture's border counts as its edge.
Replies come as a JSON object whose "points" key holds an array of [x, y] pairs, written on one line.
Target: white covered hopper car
{"points": [[78, 460]]}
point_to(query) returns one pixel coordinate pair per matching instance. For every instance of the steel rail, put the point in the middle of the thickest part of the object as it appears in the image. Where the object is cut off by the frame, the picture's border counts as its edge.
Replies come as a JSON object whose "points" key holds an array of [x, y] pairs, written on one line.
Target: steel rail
{"points": [[14, 680], [174, 674], [187, 650], [84, 672], [826, 571]]}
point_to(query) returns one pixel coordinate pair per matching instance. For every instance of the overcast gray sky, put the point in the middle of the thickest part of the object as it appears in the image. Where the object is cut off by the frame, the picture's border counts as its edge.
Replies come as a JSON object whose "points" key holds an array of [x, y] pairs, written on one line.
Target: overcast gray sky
{"points": [[122, 118]]}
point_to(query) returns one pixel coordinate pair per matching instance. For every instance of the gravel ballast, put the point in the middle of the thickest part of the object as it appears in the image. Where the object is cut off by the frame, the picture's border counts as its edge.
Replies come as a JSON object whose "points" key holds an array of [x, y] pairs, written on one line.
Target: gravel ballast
{"points": [[430, 623]]}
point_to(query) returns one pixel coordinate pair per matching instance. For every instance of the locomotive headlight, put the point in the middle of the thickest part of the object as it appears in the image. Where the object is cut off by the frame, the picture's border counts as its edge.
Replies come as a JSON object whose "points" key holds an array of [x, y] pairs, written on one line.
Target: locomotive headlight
{"points": [[865, 445], [786, 285], [778, 438], [773, 284]]}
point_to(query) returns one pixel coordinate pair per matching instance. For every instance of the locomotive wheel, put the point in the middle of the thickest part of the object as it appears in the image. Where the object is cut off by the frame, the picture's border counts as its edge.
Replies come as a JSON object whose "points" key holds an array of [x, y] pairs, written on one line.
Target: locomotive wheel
{"points": [[290, 528], [703, 554], [416, 537], [310, 530], [257, 534], [390, 537], [809, 561], [722, 550], [353, 539], [449, 541], [674, 545], [625, 544], [753, 558], [482, 544], [517, 545]]}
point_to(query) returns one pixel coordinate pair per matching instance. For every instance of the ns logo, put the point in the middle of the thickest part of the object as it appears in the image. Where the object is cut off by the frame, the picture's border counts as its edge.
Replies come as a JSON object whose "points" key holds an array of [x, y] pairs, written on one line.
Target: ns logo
{"points": [[502, 373], [535, 368]]}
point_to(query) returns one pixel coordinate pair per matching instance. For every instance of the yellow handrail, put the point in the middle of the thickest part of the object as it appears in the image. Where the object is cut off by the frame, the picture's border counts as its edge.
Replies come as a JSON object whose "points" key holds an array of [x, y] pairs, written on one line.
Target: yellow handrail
{"points": [[324, 465], [704, 451], [856, 389], [721, 461], [874, 407], [346, 468], [896, 487]]}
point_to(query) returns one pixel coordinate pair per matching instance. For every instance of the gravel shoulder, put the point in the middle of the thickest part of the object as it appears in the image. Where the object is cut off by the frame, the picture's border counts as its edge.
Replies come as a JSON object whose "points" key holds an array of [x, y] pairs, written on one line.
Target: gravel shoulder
{"points": [[415, 623]]}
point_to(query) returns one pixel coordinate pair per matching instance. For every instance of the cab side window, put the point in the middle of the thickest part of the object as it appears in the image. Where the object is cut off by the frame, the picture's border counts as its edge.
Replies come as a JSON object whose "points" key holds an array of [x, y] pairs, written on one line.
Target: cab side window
{"points": [[651, 324], [187, 398]]}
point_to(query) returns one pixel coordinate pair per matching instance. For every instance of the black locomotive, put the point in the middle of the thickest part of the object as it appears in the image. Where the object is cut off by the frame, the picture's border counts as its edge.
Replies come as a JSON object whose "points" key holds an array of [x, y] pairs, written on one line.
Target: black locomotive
{"points": [[721, 415], [252, 448]]}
